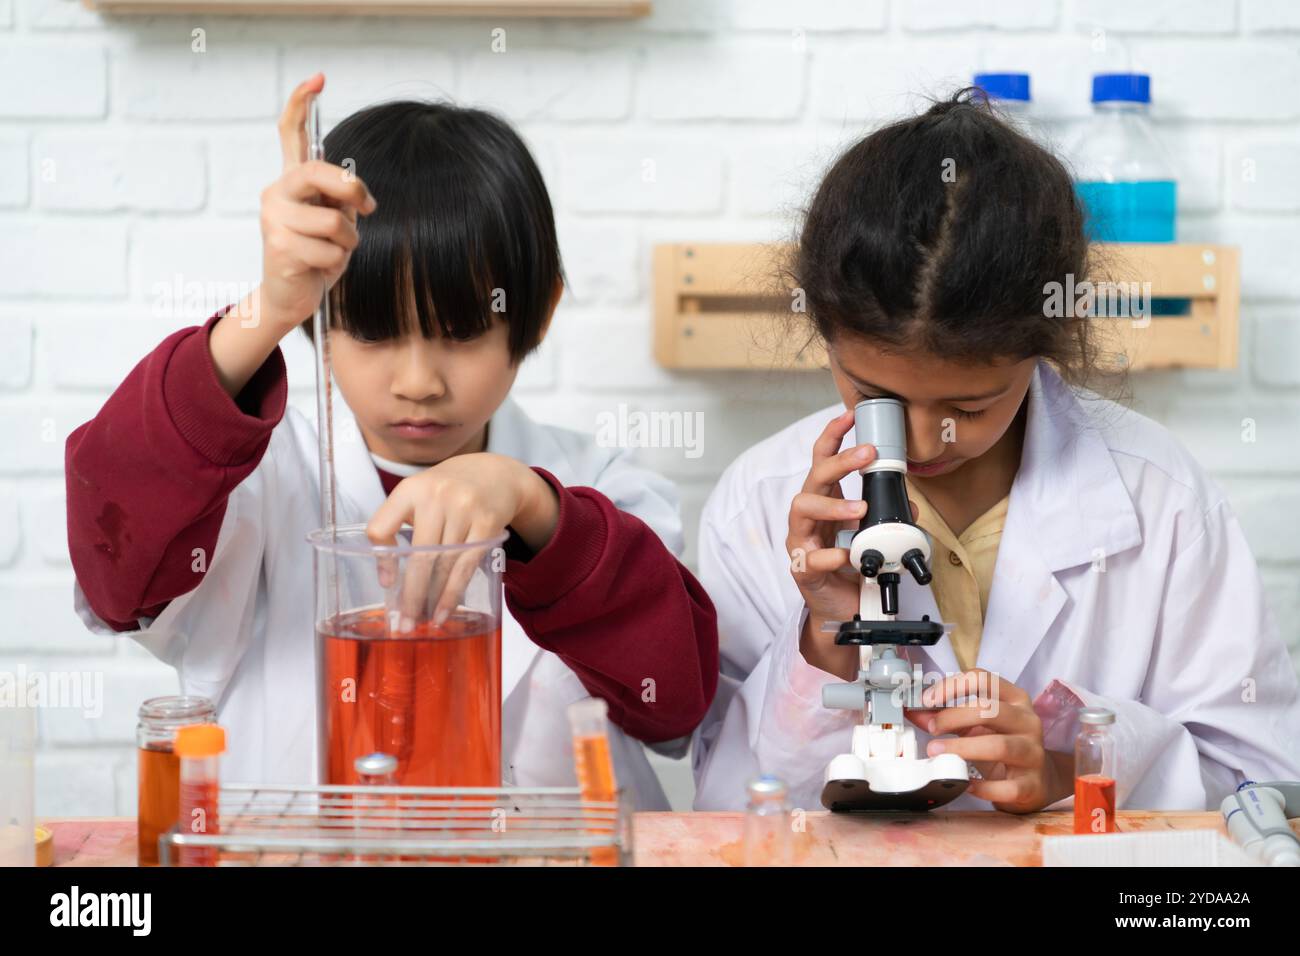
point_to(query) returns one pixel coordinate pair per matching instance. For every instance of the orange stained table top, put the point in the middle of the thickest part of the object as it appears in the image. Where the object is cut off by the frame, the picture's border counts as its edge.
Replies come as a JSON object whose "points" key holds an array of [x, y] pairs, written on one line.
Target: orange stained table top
{"points": [[973, 838]]}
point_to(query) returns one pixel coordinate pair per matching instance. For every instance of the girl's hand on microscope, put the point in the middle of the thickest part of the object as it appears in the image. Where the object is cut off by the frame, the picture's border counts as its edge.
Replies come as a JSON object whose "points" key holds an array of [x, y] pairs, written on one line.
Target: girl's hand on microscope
{"points": [[998, 732], [464, 498], [830, 587]]}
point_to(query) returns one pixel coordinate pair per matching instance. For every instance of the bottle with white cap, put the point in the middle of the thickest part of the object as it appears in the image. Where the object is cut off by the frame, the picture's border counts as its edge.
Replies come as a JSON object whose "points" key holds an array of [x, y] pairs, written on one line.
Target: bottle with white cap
{"points": [[376, 770]]}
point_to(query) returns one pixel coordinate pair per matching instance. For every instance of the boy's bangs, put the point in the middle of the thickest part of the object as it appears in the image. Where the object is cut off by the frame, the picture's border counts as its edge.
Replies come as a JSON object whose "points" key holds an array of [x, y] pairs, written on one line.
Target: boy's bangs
{"points": [[463, 236], [420, 273]]}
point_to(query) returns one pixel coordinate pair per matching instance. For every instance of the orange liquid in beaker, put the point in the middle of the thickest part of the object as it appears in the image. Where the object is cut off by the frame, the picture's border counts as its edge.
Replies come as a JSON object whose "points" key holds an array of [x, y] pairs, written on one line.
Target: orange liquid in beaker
{"points": [[430, 697], [159, 799], [595, 770], [1094, 804], [199, 796]]}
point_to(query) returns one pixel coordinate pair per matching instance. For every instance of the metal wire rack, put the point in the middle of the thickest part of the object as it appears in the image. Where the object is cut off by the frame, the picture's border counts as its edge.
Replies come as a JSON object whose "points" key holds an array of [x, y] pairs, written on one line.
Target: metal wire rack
{"points": [[327, 825]]}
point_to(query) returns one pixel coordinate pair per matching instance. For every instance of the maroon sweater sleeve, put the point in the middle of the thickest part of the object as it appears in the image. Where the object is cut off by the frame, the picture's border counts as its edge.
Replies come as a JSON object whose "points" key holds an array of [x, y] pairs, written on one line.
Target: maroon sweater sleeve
{"points": [[149, 476], [619, 609]]}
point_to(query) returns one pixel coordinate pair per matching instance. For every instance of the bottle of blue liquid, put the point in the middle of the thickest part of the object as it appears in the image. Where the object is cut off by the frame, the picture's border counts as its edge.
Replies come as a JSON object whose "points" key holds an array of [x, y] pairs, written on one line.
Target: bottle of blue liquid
{"points": [[1124, 178]]}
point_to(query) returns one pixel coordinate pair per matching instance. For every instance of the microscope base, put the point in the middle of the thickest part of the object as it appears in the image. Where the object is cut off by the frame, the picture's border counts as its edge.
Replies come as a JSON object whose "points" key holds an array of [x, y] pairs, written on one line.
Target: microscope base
{"points": [[893, 784]]}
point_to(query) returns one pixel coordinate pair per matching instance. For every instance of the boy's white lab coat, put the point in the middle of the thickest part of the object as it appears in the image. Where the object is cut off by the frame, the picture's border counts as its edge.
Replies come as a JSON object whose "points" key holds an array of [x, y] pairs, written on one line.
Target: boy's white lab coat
{"points": [[1123, 580], [244, 637]]}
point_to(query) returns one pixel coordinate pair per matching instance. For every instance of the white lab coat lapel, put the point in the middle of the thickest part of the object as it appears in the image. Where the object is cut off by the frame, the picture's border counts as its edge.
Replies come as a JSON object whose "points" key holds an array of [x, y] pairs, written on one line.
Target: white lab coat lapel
{"points": [[1068, 507]]}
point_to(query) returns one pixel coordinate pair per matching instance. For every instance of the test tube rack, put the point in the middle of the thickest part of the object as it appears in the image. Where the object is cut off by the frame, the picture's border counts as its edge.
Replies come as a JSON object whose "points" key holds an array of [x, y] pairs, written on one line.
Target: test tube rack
{"points": [[327, 825]]}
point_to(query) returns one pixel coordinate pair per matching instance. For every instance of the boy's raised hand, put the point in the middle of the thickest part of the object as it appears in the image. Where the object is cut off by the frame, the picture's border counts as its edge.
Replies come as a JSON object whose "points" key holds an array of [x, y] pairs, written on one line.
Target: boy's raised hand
{"points": [[309, 229], [308, 220], [465, 498]]}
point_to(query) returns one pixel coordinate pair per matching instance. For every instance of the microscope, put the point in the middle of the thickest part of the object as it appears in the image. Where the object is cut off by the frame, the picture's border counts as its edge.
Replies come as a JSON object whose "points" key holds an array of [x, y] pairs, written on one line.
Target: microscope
{"points": [[883, 772]]}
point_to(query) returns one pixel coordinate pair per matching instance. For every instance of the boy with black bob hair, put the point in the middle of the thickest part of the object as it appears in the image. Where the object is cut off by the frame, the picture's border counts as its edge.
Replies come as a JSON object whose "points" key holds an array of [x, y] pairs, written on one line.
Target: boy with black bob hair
{"points": [[431, 228]]}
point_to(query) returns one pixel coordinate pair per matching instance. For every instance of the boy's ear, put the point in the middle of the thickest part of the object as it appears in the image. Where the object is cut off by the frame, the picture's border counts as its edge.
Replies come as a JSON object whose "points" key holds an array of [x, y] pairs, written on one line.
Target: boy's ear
{"points": [[550, 314]]}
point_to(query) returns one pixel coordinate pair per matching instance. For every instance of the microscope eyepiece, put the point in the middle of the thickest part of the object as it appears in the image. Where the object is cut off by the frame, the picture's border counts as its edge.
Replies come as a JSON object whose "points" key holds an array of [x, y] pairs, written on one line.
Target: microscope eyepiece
{"points": [[914, 561]]}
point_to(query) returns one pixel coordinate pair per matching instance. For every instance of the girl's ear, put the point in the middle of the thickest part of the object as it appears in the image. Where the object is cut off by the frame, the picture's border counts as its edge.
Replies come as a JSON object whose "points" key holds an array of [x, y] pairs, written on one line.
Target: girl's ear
{"points": [[550, 314]]}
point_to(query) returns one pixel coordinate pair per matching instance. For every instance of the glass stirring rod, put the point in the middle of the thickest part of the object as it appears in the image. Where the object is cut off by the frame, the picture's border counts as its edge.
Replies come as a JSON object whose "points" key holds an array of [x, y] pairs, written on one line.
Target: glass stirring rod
{"points": [[320, 324], [320, 332]]}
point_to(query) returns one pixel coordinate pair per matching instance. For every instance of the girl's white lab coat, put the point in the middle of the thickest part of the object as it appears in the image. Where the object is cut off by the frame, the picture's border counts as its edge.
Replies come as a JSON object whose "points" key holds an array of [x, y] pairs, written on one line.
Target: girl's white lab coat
{"points": [[1123, 580], [244, 637]]}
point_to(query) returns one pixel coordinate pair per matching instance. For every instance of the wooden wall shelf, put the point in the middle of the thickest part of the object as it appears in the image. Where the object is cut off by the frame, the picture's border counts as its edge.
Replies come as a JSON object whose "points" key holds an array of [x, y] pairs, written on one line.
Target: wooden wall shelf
{"points": [[380, 8], [723, 306]]}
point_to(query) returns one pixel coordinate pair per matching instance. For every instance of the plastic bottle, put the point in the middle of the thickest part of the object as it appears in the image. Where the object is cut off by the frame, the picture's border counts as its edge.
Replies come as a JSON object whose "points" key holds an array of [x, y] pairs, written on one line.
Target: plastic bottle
{"points": [[1123, 175], [1009, 94]]}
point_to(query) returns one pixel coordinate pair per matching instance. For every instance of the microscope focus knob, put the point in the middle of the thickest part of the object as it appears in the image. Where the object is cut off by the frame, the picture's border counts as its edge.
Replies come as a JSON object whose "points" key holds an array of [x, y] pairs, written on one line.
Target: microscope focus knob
{"points": [[914, 561]]}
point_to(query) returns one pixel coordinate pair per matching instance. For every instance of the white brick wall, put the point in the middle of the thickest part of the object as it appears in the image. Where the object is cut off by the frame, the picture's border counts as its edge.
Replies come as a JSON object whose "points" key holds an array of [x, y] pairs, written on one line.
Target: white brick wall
{"points": [[130, 167]]}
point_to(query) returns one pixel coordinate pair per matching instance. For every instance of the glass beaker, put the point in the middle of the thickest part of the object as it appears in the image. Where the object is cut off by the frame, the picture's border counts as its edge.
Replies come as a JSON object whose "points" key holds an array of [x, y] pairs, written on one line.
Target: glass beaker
{"points": [[18, 700], [392, 678]]}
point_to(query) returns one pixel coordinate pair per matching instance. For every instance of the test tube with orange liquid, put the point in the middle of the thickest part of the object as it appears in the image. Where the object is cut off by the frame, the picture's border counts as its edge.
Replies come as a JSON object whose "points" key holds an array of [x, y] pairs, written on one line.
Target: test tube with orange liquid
{"points": [[1094, 772], [588, 720], [199, 748]]}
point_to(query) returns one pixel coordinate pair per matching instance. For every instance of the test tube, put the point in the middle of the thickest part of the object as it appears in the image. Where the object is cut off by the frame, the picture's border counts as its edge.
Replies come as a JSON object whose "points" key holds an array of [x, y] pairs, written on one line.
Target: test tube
{"points": [[1094, 772], [588, 720], [199, 747], [158, 767]]}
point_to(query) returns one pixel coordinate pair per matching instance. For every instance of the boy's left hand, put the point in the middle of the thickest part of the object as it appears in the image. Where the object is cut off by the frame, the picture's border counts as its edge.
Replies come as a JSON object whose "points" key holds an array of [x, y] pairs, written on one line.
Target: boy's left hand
{"points": [[464, 498], [999, 732]]}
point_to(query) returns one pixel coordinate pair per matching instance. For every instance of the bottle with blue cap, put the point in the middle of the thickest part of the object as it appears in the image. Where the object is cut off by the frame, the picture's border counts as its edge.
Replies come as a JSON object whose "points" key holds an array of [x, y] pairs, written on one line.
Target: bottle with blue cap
{"points": [[1008, 92], [1123, 175]]}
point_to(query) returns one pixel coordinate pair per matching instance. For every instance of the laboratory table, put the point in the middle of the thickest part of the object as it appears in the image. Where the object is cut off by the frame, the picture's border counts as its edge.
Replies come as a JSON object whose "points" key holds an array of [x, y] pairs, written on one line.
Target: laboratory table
{"points": [[973, 838]]}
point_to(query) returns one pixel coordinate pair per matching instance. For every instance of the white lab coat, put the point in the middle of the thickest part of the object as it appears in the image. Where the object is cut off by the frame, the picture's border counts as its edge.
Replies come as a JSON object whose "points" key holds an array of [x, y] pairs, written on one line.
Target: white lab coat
{"points": [[1123, 580], [244, 637]]}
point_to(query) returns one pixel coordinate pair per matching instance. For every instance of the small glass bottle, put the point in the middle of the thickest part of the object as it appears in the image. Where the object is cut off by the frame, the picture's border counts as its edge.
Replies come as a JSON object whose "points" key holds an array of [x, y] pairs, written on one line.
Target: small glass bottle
{"points": [[375, 816], [1094, 772], [768, 840], [158, 767], [376, 770], [199, 747]]}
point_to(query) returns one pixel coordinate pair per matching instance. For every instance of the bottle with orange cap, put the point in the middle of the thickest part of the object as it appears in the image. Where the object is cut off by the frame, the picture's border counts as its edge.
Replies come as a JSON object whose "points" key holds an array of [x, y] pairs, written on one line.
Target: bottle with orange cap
{"points": [[199, 747]]}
